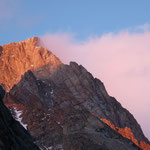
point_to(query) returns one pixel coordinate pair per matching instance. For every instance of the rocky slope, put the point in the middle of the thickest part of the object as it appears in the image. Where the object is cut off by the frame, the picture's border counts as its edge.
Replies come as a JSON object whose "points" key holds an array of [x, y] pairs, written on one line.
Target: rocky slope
{"points": [[64, 106], [12, 135]]}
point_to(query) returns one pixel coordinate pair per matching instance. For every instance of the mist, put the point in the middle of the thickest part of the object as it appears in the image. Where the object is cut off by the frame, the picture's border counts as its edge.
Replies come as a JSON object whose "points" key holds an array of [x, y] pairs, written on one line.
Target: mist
{"points": [[120, 60]]}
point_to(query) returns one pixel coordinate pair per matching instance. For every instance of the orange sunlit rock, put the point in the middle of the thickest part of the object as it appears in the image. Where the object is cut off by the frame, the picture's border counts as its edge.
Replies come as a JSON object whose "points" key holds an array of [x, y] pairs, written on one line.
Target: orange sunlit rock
{"points": [[127, 133], [19, 57]]}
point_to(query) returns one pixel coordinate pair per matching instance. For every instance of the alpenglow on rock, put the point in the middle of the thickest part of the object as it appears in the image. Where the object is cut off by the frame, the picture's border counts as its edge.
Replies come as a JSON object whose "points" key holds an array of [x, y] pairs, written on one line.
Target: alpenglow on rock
{"points": [[64, 106], [17, 58]]}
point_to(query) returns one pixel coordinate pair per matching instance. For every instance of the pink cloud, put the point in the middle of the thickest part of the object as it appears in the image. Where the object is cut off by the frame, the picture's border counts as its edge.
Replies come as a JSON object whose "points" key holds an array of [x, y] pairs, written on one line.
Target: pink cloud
{"points": [[121, 61]]}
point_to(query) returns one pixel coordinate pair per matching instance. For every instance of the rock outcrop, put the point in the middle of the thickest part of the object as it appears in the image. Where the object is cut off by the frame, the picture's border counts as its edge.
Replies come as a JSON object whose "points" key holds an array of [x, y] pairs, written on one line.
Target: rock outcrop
{"points": [[65, 107], [12, 135]]}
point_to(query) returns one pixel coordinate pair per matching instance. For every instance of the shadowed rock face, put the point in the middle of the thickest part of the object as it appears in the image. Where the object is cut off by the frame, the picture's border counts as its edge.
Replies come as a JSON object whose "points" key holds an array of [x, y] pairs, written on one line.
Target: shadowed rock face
{"points": [[61, 123], [90, 93], [62, 107], [12, 135]]}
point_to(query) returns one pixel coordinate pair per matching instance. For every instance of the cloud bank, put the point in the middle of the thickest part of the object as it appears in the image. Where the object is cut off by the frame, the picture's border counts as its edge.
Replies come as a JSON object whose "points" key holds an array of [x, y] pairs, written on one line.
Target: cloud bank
{"points": [[121, 61]]}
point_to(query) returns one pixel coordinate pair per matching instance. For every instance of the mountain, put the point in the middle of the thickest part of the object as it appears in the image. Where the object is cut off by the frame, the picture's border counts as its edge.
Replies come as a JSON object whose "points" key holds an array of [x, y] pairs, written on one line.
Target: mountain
{"points": [[64, 106]]}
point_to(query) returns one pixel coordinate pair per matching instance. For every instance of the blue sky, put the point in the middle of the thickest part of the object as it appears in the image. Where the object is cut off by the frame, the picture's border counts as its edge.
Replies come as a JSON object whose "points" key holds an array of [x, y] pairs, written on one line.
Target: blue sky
{"points": [[22, 19]]}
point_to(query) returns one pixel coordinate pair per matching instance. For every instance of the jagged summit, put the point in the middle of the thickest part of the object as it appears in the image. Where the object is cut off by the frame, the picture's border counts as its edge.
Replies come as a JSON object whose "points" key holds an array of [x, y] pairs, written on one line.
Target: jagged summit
{"points": [[18, 57], [34, 41]]}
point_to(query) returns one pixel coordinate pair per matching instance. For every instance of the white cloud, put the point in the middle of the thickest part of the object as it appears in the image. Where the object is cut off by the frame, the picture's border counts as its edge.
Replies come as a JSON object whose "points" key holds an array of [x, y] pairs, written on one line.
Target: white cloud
{"points": [[121, 61]]}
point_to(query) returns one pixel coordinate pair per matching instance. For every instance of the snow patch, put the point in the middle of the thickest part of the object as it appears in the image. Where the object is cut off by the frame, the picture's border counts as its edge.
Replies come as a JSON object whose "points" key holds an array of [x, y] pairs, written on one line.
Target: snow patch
{"points": [[18, 117], [51, 92]]}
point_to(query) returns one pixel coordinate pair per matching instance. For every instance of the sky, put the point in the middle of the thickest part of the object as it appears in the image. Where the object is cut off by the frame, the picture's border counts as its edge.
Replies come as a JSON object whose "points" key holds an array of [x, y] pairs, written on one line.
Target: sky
{"points": [[109, 38]]}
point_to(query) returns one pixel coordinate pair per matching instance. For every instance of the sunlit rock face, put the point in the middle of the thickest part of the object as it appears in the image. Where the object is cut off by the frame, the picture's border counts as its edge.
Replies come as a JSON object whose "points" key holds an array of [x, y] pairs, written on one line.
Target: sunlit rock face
{"points": [[127, 133], [19, 57], [64, 106]]}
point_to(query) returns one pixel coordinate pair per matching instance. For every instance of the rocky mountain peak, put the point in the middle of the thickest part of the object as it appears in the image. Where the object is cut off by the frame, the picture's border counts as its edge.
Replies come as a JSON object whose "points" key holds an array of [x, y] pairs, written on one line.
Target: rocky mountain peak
{"points": [[33, 41], [64, 106], [18, 57]]}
